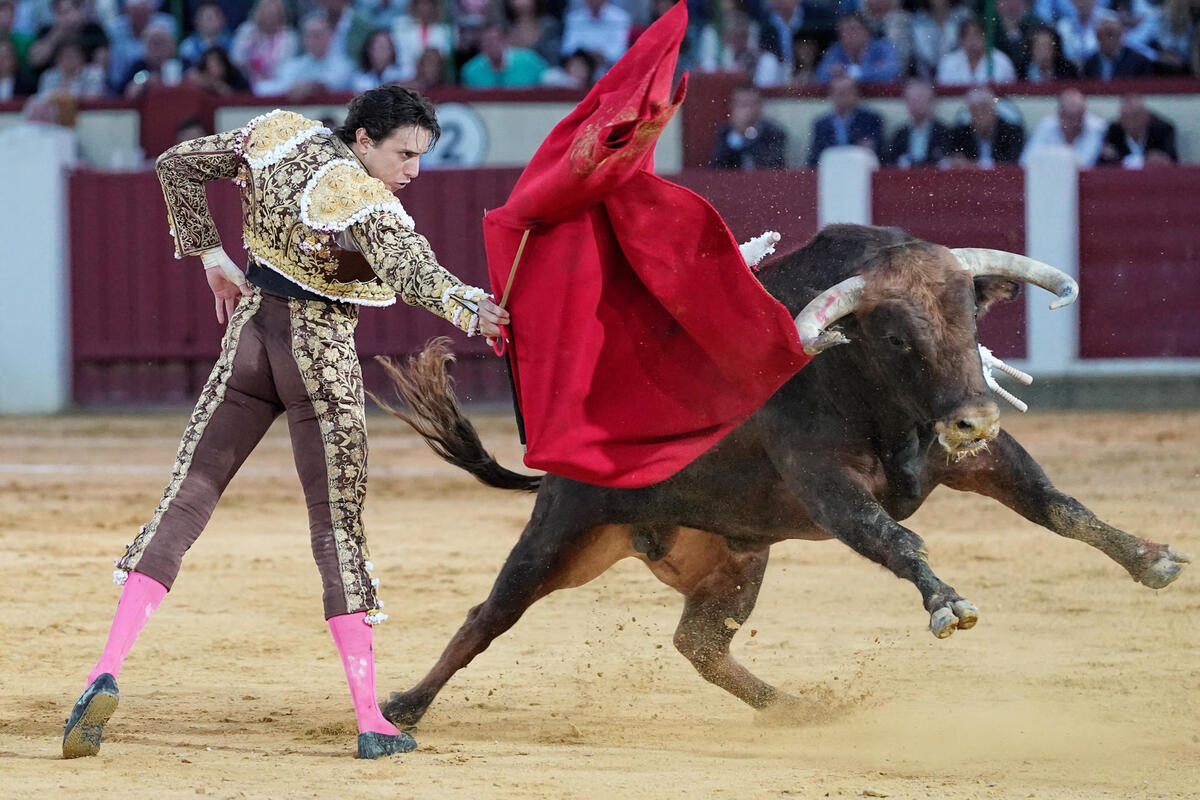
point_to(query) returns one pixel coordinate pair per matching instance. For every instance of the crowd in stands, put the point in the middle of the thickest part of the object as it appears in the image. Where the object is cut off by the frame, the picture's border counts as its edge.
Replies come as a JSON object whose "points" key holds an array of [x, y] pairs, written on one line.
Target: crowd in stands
{"points": [[116, 48], [987, 132]]}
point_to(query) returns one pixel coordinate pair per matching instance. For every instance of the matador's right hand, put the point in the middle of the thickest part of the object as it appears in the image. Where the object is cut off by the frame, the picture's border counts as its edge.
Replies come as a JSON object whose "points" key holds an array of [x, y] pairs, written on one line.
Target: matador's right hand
{"points": [[226, 281]]}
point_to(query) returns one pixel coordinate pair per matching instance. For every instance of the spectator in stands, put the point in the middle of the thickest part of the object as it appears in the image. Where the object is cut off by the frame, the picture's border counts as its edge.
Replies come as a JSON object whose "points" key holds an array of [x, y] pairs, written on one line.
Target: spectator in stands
{"points": [[986, 140], [210, 31], [935, 33], [531, 27], [1175, 38], [972, 63], [779, 23], [1072, 125], [158, 66], [1138, 137], [70, 22], [737, 52], [127, 38], [72, 74], [421, 29], [924, 140], [350, 27], [317, 69], [19, 41], [431, 70], [377, 63], [1078, 32], [578, 71], [1113, 59], [218, 74], [14, 83], [1015, 22], [848, 123], [1046, 62], [500, 66], [807, 53], [888, 21], [264, 42], [749, 140], [857, 55], [599, 27]]}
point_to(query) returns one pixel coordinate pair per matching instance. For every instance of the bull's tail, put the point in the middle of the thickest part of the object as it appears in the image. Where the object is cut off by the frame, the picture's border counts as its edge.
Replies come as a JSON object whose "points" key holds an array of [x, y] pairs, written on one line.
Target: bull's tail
{"points": [[426, 388]]}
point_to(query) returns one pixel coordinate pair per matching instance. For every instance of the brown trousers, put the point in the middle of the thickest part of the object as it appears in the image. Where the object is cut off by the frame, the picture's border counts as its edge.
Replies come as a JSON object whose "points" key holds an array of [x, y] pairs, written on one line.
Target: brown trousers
{"points": [[278, 355]]}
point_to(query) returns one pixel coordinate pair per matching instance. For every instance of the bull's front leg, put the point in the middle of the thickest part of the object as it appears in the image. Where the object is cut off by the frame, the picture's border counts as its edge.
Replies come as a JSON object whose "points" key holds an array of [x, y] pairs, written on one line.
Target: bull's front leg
{"points": [[838, 503], [1007, 473]]}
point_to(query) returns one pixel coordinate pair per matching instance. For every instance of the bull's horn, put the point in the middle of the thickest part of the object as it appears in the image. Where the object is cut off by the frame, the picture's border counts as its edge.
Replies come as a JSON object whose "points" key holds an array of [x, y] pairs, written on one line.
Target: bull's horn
{"points": [[824, 310], [979, 262]]}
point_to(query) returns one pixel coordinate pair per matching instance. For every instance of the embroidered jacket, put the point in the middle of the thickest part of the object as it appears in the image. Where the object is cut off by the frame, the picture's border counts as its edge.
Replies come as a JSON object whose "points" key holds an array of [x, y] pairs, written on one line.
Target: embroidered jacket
{"points": [[312, 213]]}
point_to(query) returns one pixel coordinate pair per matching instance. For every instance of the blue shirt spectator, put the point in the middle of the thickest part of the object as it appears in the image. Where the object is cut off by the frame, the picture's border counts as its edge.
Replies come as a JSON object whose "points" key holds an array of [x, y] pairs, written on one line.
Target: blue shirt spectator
{"points": [[848, 123], [857, 55], [126, 33], [211, 31]]}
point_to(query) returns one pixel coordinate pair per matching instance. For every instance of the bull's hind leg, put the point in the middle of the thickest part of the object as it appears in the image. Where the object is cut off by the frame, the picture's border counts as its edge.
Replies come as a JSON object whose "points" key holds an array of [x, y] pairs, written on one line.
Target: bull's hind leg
{"points": [[550, 555], [720, 588], [1009, 474]]}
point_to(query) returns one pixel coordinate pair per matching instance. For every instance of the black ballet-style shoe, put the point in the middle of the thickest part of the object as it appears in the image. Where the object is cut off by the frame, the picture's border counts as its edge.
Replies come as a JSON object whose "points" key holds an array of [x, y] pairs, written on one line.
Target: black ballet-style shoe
{"points": [[91, 711], [375, 745]]}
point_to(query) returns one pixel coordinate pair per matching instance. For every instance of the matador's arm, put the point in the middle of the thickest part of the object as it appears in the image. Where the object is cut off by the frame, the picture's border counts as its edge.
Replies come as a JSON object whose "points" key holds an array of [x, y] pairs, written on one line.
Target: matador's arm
{"points": [[183, 170], [403, 259]]}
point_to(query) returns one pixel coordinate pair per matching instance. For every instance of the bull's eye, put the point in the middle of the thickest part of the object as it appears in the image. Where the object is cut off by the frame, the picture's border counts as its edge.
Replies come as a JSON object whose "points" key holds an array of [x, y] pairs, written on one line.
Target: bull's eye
{"points": [[897, 342]]}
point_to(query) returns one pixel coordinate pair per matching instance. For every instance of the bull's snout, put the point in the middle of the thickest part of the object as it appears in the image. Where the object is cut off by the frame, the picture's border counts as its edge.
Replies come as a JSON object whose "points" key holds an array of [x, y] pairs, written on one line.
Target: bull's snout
{"points": [[969, 429]]}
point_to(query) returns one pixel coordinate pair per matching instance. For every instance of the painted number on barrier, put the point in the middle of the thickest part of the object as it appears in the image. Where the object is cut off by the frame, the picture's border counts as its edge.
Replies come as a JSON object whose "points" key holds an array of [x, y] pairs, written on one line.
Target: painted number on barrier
{"points": [[464, 140]]}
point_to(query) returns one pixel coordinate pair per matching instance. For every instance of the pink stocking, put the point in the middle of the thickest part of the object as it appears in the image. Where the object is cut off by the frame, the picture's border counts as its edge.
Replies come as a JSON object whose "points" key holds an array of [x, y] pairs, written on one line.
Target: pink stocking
{"points": [[139, 598], [354, 637]]}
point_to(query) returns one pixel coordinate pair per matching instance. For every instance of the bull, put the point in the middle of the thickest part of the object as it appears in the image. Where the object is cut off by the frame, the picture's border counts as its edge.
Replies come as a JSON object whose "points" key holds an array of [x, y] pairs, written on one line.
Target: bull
{"points": [[848, 447]]}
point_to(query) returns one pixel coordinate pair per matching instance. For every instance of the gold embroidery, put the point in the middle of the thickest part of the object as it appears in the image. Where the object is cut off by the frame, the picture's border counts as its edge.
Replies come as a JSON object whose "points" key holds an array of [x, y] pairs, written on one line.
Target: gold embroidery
{"points": [[341, 192], [403, 259], [183, 170], [272, 133], [210, 397], [274, 230], [323, 346]]}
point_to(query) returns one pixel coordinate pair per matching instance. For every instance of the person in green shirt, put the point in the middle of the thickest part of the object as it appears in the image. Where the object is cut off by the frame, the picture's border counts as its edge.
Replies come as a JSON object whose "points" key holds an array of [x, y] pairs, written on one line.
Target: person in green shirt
{"points": [[499, 66]]}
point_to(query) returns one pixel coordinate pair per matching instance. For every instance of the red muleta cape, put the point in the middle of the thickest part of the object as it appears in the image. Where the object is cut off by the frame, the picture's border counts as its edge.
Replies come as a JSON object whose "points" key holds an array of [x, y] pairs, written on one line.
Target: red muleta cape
{"points": [[639, 335]]}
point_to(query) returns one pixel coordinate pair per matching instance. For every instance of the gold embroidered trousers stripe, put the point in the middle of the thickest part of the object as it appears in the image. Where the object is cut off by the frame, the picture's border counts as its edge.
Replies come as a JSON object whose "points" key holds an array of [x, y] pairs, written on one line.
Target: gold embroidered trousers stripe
{"points": [[279, 355]]}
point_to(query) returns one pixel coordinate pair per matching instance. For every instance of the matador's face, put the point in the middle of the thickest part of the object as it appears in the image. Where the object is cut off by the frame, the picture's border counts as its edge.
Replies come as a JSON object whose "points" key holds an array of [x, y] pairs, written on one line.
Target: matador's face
{"points": [[396, 159]]}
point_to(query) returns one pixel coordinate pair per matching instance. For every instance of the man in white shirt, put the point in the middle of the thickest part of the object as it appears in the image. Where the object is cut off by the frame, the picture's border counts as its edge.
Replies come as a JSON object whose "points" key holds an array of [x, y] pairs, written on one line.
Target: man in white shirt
{"points": [[968, 65], [599, 28], [318, 69], [1074, 126]]}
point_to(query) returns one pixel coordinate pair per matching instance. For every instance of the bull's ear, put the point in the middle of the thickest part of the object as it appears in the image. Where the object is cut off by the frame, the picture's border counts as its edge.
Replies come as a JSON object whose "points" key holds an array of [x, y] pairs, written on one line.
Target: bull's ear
{"points": [[991, 289]]}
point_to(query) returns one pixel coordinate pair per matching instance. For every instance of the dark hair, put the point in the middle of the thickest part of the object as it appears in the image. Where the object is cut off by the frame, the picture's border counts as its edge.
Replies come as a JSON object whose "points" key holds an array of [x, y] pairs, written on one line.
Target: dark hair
{"points": [[364, 57], [384, 109], [233, 76]]}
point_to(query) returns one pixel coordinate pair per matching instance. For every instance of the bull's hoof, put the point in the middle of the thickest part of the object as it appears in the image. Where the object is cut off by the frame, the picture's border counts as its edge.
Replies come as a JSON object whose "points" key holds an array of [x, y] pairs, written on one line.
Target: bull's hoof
{"points": [[958, 615], [1163, 568], [402, 710]]}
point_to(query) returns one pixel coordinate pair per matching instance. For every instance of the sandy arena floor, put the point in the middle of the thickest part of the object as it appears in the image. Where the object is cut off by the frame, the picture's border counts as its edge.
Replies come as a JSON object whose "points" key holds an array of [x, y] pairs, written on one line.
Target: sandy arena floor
{"points": [[1077, 683]]}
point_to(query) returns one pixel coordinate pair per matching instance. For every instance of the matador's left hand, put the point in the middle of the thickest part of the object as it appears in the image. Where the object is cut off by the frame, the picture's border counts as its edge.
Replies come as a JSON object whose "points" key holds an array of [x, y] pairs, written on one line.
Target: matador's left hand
{"points": [[491, 317]]}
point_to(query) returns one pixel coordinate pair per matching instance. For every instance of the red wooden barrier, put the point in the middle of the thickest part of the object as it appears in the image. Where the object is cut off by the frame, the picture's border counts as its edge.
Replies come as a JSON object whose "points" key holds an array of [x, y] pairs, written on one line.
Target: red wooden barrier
{"points": [[963, 208], [1139, 243]]}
